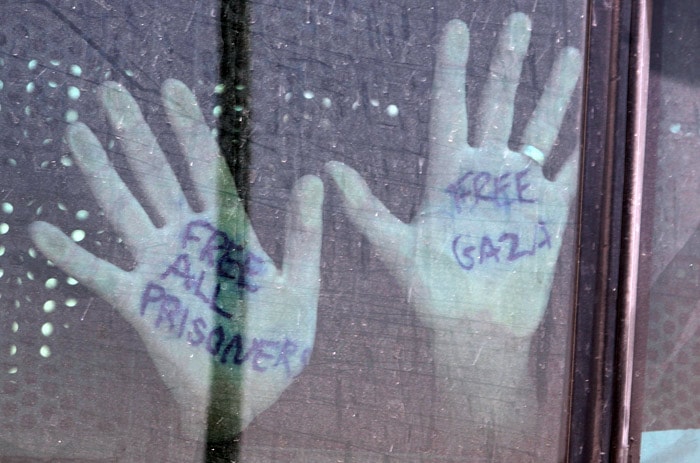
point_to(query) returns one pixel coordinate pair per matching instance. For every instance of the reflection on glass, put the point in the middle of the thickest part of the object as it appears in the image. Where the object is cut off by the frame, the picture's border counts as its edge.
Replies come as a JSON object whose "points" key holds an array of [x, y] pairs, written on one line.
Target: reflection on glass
{"points": [[671, 407], [297, 347]]}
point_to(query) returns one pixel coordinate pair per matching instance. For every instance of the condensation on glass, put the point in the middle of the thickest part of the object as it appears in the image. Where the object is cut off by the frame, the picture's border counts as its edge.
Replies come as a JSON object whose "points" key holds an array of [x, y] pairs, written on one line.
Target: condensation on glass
{"points": [[379, 267]]}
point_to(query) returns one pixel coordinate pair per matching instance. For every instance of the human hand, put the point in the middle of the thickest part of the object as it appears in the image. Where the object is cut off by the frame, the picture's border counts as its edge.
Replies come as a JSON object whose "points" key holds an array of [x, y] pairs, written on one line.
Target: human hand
{"points": [[484, 244], [227, 330]]}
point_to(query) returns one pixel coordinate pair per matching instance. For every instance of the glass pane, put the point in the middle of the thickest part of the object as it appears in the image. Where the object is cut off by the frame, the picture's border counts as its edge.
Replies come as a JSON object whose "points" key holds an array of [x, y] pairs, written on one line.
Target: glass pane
{"points": [[378, 268], [672, 380]]}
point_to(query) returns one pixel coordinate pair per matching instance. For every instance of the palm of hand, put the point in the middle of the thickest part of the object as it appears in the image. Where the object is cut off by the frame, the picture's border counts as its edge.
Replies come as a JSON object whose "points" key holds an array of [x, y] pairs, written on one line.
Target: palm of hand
{"points": [[227, 330], [485, 242]]}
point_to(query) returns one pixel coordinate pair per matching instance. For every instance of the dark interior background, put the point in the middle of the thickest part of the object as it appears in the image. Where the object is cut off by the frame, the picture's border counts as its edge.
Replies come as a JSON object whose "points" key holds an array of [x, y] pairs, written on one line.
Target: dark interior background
{"points": [[370, 393], [668, 341]]}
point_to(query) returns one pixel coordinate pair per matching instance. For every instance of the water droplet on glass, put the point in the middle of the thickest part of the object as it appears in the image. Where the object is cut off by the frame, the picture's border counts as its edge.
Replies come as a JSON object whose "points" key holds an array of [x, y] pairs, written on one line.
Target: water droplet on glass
{"points": [[49, 306], [73, 92], [47, 329], [77, 235], [45, 351]]}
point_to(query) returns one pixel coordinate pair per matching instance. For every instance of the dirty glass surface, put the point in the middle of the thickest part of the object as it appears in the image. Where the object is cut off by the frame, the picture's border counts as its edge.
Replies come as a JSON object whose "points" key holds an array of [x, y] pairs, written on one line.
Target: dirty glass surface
{"points": [[672, 379], [378, 267]]}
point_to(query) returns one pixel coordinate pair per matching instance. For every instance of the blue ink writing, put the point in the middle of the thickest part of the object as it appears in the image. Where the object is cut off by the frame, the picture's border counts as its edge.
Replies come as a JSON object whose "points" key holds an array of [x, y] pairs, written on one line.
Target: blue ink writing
{"points": [[507, 248], [475, 187], [220, 251], [210, 264], [262, 354], [224, 261]]}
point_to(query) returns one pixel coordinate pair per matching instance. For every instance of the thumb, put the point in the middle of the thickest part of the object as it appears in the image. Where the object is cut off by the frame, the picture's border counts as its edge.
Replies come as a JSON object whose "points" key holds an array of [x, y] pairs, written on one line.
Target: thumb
{"points": [[302, 253], [391, 237]]}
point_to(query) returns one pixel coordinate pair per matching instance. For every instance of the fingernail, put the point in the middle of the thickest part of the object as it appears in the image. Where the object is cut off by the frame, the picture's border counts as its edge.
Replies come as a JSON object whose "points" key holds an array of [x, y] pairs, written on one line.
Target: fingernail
{"points": [[520, 21], [121, 107], [574, 61], [84, 146], [336, 170], [177, 94], [349, 183], [46, 239], [310, 194], [456, 44], [519, 28]]}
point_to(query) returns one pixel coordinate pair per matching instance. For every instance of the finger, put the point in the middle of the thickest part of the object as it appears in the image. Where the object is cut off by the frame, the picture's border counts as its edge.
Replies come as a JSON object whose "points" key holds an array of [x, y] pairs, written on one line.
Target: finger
{"points": [[496, 113], [148, 163], [542, 130], [302, 254], [448, 124], [108, 281], [195, 138], [567, 180], [558, 195], [213, 182], [122, 209], [391, 237]]}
